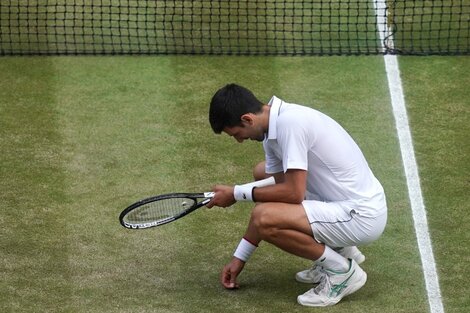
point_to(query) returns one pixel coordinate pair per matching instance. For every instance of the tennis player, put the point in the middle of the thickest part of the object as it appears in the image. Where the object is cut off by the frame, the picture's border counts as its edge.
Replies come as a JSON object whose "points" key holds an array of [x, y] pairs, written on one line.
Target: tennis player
{"points": [[325, 200]]}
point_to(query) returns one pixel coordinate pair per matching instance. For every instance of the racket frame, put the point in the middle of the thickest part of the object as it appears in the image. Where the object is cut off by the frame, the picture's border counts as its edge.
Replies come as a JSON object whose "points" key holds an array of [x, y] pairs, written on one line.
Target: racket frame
{"points": [[206, 197]]}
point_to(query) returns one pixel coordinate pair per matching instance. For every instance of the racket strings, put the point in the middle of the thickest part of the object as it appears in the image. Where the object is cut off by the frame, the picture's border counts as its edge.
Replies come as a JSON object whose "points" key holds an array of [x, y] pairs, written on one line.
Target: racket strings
{"points": [[160, 210]]}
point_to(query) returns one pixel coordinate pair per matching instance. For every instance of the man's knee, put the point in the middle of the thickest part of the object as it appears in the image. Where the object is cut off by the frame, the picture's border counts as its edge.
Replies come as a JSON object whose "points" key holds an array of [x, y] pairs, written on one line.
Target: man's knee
{"points": [[263, 220]]}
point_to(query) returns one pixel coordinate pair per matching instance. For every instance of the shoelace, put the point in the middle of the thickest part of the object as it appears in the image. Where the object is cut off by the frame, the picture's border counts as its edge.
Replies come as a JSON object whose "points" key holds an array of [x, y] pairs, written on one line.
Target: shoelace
{"points": [[324, 282]]}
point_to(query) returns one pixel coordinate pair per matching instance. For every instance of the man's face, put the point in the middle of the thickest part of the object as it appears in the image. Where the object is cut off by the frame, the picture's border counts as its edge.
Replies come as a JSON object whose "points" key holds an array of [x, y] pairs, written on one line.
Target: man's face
{"points": [[246, 131]]}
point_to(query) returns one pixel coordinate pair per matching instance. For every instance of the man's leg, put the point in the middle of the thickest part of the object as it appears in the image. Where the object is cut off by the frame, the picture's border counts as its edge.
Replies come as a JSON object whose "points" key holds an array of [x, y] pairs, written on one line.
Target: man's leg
{"points": [[287, 227]]}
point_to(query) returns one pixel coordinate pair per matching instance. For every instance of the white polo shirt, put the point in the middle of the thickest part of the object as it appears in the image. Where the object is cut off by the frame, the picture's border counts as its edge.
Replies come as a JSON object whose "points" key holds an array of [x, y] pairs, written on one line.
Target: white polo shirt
{"points": [[300, 137]]}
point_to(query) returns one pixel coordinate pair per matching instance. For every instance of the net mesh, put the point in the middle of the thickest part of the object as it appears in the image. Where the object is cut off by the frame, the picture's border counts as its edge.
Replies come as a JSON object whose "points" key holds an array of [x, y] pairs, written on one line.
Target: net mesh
{"points": [[269, 27]]}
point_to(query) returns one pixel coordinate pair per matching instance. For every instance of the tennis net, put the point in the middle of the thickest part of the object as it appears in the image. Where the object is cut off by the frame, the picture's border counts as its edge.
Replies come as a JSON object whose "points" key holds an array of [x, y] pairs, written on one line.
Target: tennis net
{"points": [[243, 27]]}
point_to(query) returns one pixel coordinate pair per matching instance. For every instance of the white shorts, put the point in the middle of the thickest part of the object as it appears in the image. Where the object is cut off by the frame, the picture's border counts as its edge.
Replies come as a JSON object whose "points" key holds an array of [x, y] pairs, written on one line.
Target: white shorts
{"points": [[338, 224]]}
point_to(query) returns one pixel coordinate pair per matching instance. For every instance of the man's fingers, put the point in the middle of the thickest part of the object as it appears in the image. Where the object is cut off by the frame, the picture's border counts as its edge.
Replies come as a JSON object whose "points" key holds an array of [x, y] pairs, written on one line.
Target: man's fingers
{"points": [[229, 280], [231, 285], [210, 204], [225, 277]]}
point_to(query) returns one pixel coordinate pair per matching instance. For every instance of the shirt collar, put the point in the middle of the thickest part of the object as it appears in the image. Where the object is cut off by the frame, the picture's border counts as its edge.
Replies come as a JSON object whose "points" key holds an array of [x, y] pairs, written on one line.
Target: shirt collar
{"points": [[275, 103]]}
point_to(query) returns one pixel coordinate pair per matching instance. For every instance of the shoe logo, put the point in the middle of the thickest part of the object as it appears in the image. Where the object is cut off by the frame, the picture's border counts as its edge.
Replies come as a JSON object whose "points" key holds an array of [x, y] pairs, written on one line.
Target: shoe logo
{"points": [[336, 290], [244, 196]]}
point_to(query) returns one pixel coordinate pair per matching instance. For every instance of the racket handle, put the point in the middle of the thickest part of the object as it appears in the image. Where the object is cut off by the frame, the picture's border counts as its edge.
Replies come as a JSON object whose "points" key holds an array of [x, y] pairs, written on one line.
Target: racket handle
{"points": [[209, 194], [206, 201]]}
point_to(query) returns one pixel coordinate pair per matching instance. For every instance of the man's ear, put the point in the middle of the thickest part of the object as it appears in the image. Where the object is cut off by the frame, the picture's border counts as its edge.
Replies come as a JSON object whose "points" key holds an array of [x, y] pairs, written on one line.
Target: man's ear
{"points": [[247, 119]]}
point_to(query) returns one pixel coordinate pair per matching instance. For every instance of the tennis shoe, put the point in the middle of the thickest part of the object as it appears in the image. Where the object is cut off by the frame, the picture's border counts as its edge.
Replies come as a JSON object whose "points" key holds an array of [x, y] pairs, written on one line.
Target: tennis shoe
{"points": [[314, 274], [334, 286]]}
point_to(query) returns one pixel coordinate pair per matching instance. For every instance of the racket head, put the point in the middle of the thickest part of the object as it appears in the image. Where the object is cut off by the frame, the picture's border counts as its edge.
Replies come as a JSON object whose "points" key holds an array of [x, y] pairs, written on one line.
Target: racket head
{"points": [[162, 209]]}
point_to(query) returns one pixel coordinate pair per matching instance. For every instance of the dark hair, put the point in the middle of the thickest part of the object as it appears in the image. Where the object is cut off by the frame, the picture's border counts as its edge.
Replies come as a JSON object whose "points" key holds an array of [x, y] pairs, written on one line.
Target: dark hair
{"points": [[229, 104]]}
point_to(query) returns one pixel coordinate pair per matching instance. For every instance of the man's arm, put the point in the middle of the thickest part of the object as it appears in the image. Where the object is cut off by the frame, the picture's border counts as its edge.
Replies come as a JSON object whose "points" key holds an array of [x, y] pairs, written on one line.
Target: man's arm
{"points": [[289, 188]]}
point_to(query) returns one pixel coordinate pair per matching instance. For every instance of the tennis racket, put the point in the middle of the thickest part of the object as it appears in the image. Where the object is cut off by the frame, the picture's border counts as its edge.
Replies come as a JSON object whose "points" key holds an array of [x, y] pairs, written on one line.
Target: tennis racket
{"points": [[162, 209]]}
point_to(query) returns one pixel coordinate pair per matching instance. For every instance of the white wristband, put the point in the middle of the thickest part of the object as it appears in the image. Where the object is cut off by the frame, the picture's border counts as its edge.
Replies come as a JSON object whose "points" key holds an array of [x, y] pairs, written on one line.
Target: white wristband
{"points": [[244, 250], [245, 192]]}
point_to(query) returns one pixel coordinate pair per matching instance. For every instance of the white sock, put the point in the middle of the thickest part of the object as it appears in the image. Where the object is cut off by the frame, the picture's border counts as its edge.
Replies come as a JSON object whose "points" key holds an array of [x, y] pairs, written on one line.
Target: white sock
{"points": [[333, 261]]}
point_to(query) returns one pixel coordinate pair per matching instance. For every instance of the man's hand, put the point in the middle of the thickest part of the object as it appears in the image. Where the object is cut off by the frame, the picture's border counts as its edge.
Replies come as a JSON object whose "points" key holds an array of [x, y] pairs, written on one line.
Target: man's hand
{"points": [[223, 196], [229, 275]]}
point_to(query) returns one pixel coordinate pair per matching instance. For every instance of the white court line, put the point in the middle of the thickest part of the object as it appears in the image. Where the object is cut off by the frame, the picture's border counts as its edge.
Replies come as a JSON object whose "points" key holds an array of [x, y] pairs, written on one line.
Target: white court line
{"points": [[414, 188], [410, 166]]}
